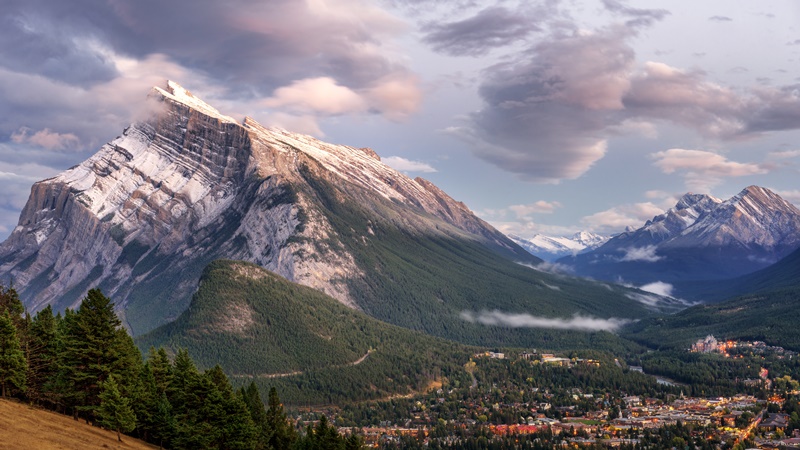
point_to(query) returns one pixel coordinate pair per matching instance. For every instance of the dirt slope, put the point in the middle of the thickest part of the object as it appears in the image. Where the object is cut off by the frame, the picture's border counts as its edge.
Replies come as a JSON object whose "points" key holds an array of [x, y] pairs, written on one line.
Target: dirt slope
{"points": [[24, 427]]}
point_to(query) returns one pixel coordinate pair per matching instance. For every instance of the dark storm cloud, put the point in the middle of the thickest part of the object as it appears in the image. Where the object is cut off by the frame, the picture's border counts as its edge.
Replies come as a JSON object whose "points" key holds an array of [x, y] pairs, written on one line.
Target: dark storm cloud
{"points": [[475, 36]]}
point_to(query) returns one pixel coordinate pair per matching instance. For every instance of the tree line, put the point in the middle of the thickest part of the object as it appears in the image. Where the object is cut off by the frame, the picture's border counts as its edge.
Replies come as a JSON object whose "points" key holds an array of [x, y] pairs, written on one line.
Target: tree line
{"points": [[84, 364]]}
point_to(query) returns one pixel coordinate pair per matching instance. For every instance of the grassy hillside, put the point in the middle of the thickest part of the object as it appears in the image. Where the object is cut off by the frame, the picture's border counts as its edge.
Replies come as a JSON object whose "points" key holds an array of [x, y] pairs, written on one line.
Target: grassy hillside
{"points": [[425, 280], [22, 426], [768, 316]]}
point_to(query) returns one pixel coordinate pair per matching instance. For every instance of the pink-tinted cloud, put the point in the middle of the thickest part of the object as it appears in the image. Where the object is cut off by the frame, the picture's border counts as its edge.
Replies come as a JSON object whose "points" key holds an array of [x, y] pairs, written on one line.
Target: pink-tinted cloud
{"points": [[703, 170], [539, 207], [46, 139], [620, 217], [549, 116], [407, 165], [317, 95]]}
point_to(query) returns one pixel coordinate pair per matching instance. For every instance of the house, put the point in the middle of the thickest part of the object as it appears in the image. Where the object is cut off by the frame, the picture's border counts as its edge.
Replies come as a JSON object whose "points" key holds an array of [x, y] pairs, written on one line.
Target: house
{"points": [[774, 421]]}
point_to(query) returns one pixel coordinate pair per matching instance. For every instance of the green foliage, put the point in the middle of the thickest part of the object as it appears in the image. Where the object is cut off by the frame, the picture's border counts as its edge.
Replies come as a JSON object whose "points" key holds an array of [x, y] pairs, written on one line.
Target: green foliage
{"points": [[44, 342], [12, 359], [94, 347], [768, 316], [11, 304], [425, 280], [115, 411], [277, 427], [311, 341], [325, 436]]}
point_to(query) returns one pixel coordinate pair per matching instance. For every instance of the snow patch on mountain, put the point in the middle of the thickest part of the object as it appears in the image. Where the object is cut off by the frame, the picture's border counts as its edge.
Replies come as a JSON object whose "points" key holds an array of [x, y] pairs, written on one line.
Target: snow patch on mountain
{"points": [[551, 248]]}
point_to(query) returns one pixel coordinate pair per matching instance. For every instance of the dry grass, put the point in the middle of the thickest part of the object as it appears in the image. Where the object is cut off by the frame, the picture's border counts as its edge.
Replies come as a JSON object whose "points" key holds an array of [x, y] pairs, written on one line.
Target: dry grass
{"points": [[25, 427]]}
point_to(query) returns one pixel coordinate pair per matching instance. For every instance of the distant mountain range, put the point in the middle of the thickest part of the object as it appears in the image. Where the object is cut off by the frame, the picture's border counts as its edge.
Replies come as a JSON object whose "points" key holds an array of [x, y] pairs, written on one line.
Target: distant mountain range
{"points": [[550, 248], [151, 209], [701, 238]]}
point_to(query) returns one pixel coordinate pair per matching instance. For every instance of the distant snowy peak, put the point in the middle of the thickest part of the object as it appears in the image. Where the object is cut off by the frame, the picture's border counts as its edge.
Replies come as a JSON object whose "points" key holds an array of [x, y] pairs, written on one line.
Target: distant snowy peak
{"points": [[676, 220], [755, 216], [551, 248]]}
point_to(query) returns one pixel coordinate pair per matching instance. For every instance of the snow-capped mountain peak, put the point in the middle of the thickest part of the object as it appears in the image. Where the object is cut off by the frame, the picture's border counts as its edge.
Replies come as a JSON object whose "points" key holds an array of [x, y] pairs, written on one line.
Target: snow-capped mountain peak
{"points": [[551, 248]]}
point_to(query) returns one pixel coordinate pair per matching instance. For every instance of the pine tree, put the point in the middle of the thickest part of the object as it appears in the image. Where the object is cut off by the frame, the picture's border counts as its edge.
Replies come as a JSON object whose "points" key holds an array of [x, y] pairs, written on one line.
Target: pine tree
{"points": [[42, 355], [161, 367], [12, 359], [115, 412], [163, 422], [95, 347], [252, 398], [10, 302], [281, 433]]}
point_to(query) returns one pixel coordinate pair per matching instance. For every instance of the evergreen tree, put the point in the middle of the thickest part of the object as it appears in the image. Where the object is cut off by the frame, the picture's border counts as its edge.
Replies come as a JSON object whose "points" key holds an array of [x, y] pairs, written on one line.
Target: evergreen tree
{"points": [[184, 376], [12, 359], [163, 426], [95, 347], [232, 420], [281, 433], [115, 411], [42, 355], [252, 398], [145, 404], [10, 302], [161, 367]]}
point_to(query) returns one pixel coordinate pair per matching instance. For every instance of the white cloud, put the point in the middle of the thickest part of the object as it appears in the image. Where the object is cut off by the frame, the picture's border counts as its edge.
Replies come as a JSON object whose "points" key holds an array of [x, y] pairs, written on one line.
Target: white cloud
{"points": [[790, 196], [658, 288], [785, 154], [317, 95], [620, 217], [554, 268], [646, 299], [541, 207], [511, 320], [703, 170], [47, 139], [407, 165], [644, 254]]}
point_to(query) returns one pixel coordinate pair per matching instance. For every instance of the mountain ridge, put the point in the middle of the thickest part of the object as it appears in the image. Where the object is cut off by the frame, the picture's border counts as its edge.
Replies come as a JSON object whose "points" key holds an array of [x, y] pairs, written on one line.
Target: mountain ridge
{"points": [[701, 238], [150, 210]]}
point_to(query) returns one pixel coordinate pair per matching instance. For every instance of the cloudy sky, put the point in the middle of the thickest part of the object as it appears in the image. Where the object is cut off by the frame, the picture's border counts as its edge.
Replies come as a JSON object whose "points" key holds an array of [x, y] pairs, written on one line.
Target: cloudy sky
{"points": [[543, 116]]}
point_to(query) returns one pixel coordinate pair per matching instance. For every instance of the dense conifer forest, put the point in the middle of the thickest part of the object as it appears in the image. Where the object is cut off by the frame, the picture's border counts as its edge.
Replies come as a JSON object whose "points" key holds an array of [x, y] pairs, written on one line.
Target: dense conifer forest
{"points": [[84, 364]]}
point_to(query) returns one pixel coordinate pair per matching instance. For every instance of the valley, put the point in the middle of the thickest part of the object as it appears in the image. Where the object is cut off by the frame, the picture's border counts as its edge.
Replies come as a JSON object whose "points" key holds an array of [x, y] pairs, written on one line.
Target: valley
{"points": [[240, 260]]}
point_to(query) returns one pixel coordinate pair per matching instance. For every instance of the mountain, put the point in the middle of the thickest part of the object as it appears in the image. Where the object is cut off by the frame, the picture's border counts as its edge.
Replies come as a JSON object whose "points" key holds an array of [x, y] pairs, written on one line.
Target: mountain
{"points": [[257, 325], [142, 217], [701, 238], [551, 248], [768, 316], [783, 274]]}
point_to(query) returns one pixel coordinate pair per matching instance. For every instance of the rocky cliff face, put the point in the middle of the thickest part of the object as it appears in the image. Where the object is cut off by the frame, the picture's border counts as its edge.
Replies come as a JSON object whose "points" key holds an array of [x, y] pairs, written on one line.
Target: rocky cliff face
{"points": [[150, 209]]}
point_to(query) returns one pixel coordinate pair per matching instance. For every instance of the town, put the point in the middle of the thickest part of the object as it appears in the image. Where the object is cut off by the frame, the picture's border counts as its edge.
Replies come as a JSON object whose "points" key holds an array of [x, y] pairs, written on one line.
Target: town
{"points": [[586, 402]]}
